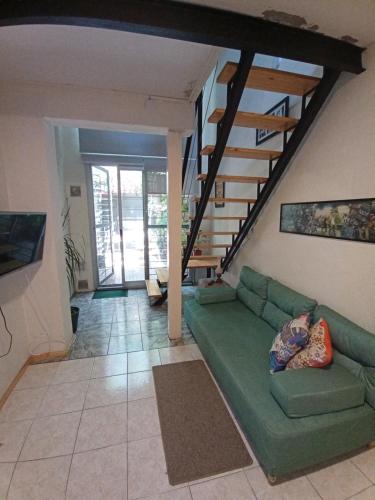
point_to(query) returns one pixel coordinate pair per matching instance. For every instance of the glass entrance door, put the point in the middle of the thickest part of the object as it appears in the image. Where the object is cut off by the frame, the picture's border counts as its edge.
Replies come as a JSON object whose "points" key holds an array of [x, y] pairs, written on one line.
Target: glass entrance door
{"points": [[132, 225]]}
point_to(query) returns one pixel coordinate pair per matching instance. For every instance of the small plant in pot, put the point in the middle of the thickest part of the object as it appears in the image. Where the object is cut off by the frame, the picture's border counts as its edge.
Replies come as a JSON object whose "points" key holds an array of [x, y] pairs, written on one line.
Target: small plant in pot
{"points": [[201, 240], [73, 263]]}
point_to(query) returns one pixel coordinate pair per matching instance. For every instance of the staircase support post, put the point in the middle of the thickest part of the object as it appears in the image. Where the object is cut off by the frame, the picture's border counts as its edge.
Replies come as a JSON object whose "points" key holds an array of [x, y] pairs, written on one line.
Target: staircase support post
{"points": [[237, 85], [174, 152]]}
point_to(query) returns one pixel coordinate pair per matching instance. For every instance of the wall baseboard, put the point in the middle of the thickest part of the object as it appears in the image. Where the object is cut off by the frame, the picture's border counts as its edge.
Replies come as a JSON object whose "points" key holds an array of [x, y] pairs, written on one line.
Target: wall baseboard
{"points": [[32, 360]]}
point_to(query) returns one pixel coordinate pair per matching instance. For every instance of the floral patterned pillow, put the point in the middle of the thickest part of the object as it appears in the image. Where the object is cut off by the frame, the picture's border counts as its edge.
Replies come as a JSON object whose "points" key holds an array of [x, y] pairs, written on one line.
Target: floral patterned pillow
{"points": [[293, 336], [318, 352]]}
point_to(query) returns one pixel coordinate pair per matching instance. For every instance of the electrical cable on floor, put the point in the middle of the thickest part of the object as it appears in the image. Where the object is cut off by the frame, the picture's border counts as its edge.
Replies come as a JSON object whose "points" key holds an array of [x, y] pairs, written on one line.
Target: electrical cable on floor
{"points": [[8, 332]]}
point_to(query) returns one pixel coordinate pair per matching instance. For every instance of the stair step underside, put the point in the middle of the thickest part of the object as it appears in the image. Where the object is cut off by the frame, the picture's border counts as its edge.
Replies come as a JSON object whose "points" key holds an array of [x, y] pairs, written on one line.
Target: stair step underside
{"points": [[249, 153], [197, 263], [256, 120], [272, 80], [162, 274], [208, 245], [206, 257], [245, 179], [219, 217], [153, 290], [227, 200], [218, 233]]}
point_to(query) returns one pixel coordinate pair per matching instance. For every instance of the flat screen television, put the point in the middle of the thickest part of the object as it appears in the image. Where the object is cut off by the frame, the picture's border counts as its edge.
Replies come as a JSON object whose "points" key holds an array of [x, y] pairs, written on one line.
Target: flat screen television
{"points": [[21, 239]]}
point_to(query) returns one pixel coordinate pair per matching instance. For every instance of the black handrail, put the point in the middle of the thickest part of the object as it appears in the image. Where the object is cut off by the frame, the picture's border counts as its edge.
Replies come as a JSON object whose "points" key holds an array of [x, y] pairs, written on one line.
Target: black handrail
{"points": [[235, 89]]}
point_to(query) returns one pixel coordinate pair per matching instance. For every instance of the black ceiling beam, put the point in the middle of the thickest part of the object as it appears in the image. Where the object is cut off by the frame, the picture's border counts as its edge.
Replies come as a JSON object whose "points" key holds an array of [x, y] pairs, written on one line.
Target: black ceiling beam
{"points": [[189, 22]]}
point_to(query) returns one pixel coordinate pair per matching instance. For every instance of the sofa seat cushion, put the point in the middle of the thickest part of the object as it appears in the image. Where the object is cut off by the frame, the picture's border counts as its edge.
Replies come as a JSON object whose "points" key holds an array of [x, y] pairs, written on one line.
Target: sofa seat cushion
{"points": [[308, 391]]}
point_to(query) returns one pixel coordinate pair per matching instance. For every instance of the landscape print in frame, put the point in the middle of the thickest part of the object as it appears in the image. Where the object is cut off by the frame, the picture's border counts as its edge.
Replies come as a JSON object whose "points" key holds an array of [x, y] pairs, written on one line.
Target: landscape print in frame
{"points": [[341, 219]]}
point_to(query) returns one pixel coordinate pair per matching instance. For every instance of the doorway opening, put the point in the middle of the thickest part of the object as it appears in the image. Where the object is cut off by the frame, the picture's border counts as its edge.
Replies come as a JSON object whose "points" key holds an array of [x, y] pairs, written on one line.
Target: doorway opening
{"points": [[129, 221]]}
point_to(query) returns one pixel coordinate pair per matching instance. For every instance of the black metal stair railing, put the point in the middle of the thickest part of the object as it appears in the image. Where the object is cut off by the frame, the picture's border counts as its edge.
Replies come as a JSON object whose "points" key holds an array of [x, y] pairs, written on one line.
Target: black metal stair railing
{"points": [[309, 113], [235, 90]]}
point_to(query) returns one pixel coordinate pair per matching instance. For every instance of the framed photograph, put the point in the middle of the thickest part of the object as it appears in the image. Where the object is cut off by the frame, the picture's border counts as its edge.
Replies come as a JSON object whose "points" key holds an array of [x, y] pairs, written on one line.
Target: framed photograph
{"points": [[219, 193], [280, 109], [341, 219], [75, 191]]}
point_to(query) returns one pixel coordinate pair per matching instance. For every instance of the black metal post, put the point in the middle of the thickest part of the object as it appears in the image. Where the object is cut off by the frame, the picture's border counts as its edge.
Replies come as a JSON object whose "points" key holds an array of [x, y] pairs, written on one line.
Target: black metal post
{"points": [[322, 92], [239, 82], [199, 110], [186, 159]]}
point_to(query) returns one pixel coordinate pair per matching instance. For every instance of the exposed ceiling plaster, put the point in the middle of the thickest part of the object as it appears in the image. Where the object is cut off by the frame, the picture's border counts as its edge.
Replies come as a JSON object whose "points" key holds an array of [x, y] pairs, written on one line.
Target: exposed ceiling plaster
{"points": [[105, 59], [349, 20]]}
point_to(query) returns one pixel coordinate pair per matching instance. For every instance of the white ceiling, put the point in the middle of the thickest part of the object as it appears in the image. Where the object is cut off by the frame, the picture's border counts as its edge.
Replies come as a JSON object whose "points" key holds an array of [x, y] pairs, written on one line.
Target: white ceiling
{"points": [[104, 59], [336, 18]]}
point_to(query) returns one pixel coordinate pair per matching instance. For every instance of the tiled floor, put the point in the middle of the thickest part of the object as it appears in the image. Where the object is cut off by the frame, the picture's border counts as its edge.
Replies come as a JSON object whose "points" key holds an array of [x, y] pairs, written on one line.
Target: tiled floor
{"points": [[113, 326], [88, 429]]}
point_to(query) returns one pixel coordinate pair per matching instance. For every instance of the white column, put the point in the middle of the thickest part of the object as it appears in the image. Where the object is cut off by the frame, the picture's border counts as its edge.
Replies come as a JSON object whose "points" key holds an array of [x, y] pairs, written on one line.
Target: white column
{"points": [[174, 152]]}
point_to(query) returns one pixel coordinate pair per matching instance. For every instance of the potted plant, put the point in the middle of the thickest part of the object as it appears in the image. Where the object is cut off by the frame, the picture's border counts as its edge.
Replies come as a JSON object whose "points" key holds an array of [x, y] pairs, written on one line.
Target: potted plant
{"points": [[201, 240], [73, 262]]}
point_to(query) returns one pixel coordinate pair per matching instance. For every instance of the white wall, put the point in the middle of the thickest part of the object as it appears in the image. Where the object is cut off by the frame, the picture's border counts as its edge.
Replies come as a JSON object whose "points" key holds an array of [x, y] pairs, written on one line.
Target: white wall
{"points": [[35, 298], [336, 161], [73, 173]]}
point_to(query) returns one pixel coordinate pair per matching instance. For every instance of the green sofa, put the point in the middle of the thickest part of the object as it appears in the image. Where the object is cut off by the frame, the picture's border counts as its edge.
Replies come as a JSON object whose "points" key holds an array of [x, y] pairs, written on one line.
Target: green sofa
{"points": [[234, 329]]}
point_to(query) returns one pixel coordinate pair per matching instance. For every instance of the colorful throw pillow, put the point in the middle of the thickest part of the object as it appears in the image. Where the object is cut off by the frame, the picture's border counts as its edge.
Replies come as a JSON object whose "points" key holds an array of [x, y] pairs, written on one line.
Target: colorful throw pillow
{"points": [[318, 352], [293, 336]]}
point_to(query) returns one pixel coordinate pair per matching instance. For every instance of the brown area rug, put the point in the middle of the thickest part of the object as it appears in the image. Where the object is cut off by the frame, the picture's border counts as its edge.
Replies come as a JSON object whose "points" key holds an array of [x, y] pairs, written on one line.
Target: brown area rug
{"points": [[199, 436]]}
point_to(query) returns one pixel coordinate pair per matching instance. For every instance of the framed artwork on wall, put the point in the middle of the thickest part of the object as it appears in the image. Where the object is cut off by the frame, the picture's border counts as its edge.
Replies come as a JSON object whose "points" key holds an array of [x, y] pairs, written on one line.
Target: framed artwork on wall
{"points": [[340, 219], [219, 193], [280, 109]]}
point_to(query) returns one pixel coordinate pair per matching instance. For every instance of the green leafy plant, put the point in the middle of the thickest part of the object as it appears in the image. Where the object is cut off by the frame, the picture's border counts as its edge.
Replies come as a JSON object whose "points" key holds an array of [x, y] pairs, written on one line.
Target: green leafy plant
{"points": [[73, 256]]}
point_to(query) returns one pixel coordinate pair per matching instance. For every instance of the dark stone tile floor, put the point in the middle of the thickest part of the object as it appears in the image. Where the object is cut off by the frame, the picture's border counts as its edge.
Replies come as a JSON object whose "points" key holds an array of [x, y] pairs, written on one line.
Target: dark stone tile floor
{"points": [[126, 324]]}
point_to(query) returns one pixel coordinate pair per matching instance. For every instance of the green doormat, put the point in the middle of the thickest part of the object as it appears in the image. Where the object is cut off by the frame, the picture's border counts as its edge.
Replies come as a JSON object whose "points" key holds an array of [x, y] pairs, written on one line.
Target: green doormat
{"points": [[109, 294]]}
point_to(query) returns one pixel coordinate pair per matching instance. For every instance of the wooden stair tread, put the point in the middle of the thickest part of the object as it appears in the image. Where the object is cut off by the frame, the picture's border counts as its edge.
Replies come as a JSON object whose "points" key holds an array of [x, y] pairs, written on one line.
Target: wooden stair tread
{"points": [[245, 179], [206, 257], [272, 80], [163, 275], [227, 200], [203, 263], [219, 217], [252, 154], [153, 290], [208, 245], [256, 120], [219, 233]]}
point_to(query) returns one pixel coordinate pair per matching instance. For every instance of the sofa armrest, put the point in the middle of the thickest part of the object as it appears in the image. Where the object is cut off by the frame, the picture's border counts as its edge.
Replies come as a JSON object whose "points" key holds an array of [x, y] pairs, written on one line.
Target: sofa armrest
{"points": [[215, 294]]}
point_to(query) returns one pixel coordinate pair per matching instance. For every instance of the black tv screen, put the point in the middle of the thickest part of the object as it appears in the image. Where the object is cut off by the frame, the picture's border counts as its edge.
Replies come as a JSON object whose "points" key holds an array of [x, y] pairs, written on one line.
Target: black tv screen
{"points": [[21, 239]]}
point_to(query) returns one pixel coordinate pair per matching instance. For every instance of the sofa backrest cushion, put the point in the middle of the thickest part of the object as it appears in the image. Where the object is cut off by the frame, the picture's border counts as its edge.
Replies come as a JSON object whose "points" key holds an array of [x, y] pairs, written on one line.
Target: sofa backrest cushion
{"points": [[348, 338], [252, 290], [283, 304]]}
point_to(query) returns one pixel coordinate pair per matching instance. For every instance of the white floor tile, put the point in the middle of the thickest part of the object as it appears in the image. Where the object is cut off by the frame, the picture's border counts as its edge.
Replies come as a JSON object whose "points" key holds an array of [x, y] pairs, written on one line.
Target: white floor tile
{"points": [[295, 489], [98, 475], [37, 376], [140, 385], [106, 391], [142, 360], [176, 354], [230, 487], [6, 471], [51, 437], [12, 437], [143, 419], [22, 405], [339, 481], [73, 370], [40, 479], [182, 494], [107, 366], [366, 463], [64, 398], [368, 494], [102, 426], [147, 470]]}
